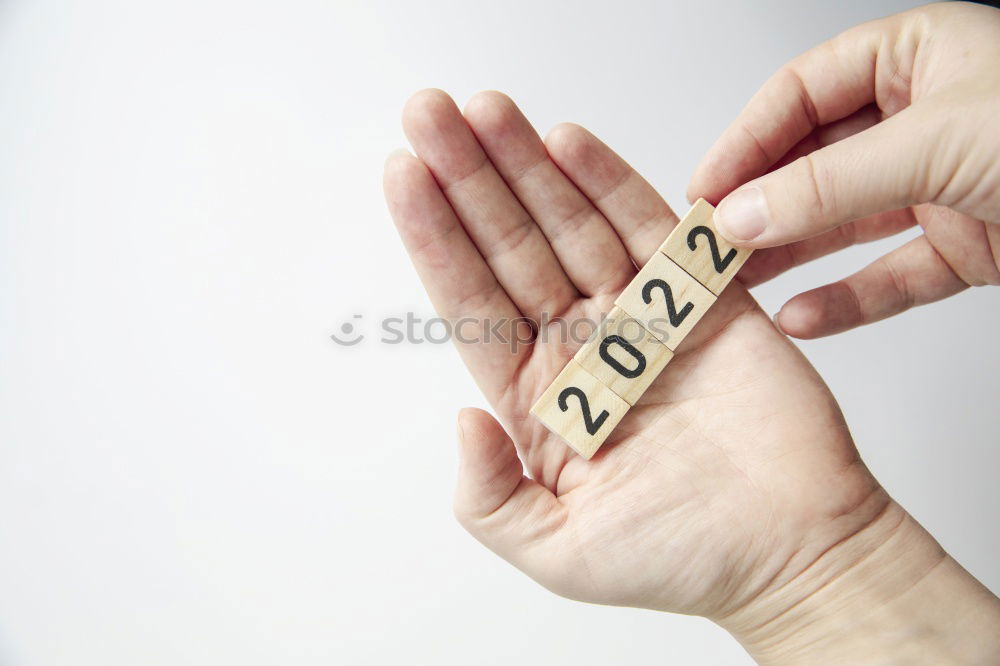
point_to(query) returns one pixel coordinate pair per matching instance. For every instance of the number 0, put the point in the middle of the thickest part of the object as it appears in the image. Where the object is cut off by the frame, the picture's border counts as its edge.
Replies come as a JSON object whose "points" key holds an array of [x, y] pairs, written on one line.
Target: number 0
{"points": [[640, 360]]}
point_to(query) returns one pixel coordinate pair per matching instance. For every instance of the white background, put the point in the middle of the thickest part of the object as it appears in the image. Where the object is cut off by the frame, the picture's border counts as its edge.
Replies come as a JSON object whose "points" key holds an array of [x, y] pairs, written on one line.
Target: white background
{"points": [[191, 472]]}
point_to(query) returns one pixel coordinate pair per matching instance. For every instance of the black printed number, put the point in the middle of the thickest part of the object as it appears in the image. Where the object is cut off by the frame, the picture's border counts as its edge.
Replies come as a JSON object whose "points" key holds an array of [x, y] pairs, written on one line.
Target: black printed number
{"points": [[675, 317], [640, 360], [721, 263], [590, 423]]}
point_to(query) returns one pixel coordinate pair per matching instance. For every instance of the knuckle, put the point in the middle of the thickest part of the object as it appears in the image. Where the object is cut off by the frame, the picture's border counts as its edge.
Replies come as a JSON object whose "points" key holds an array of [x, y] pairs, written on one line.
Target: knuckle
{"points": [[818, 187]]}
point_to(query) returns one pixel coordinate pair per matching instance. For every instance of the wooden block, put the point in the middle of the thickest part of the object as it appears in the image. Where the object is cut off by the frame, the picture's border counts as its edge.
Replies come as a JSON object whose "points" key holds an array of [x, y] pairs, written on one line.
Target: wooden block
{"points": [[580, 409], [695, 246], [666, 300], [624, 356]]}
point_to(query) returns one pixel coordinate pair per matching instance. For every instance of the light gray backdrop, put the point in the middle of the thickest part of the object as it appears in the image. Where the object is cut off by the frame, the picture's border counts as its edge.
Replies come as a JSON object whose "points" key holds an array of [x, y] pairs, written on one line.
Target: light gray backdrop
{"points": [[191, 472]]}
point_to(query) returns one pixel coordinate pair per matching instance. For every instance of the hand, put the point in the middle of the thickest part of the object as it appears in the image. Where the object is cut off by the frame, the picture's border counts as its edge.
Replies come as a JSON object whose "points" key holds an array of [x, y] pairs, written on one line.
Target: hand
{"points": [[732, 490], [891, 124]]}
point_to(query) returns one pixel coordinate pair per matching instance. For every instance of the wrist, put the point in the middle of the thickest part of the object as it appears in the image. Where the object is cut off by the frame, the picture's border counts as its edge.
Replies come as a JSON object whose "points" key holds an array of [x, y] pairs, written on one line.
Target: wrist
{"points": [[886, 594]]}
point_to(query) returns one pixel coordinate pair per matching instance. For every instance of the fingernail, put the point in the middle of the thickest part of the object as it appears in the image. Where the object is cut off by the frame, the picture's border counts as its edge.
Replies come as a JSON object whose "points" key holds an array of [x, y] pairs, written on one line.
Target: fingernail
{"points": [[777, 324], [743, 215]]}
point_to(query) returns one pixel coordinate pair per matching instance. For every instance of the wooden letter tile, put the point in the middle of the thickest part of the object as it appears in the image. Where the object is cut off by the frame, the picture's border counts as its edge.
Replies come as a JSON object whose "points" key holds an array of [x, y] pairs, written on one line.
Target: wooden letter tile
{"points": [[624, 356], [580, 409], [666, 300], [696, 247]]}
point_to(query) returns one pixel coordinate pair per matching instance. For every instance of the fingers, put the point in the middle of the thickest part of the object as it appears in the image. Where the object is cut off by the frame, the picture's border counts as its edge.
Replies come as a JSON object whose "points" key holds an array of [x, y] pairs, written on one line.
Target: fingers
{"points": [[456, 277], [586, 245], [494, 501], [831, 133], [817, 180], [638, 214], [769, 263], [822, 85], [914, 274], [889, 166], [503, 231], [967, 244]]}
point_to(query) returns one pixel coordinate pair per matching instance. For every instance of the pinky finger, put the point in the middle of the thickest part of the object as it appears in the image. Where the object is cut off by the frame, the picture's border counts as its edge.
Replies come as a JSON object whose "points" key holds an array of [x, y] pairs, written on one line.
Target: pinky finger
{"points": [[914, 274]]}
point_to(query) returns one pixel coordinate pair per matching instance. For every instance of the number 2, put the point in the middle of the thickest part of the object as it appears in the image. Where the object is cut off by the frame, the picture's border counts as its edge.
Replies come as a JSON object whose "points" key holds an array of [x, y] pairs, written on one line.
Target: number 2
{"points": [[589, 422], [720, 263], [675, 317]]}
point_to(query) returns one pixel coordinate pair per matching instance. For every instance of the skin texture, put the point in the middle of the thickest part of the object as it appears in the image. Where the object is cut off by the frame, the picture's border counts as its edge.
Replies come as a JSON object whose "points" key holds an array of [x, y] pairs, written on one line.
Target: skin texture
{"points": [[892, 124], [708, 488], [732, 490]]}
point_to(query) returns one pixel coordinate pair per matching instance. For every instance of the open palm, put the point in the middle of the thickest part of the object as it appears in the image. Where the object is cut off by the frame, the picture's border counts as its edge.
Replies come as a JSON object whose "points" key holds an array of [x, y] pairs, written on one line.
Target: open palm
{"points": [[734, 472]]}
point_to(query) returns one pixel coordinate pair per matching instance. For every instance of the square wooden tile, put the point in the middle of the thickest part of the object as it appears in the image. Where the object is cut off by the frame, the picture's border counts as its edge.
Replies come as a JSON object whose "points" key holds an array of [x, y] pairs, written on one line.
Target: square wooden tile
{"points": [[580, 409], [666, 300], [623, 355], [695, 246]]}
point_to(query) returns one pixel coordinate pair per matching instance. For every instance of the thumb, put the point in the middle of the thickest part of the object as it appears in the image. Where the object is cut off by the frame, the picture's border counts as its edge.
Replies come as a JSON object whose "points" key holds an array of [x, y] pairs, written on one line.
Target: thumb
{"points": [[888, 166], [494, 501], [489, 470]]}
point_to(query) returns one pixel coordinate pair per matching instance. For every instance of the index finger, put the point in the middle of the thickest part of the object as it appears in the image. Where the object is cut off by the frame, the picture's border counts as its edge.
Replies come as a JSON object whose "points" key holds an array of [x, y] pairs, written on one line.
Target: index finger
{"points": [[823, 85]]}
